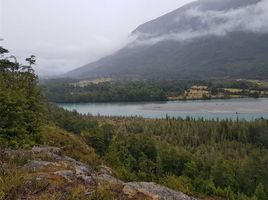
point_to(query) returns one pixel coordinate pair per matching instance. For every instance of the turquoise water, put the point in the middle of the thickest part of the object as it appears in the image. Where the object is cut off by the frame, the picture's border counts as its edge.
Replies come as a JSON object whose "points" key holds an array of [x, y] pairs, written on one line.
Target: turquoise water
{"points": [[248, 109]]}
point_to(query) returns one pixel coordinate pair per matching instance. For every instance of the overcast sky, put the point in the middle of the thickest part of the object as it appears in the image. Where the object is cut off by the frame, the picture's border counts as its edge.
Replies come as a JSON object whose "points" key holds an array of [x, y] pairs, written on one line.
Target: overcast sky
{"points": [[65, 34]]}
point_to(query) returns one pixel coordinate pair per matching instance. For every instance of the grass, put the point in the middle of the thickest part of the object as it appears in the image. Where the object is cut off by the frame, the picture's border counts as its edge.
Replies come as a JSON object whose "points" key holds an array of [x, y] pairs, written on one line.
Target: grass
{"points": [[16, 182], [260, 83], [11, 182], [72, 145]]}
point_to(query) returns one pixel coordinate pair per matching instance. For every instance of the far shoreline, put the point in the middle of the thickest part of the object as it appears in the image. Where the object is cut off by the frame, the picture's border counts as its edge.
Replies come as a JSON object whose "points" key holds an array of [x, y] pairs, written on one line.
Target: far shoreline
{"points": [[164, 101]]}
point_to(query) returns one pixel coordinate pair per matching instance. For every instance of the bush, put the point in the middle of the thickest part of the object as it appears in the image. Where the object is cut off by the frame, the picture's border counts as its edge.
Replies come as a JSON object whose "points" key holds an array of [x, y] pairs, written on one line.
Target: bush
{"points": [[72, 145], [182, 183]]}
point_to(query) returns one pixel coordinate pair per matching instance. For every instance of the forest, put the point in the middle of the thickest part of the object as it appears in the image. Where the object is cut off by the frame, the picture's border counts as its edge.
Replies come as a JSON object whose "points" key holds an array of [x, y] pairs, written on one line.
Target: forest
{"points": [[73, 91], [217, 159]]}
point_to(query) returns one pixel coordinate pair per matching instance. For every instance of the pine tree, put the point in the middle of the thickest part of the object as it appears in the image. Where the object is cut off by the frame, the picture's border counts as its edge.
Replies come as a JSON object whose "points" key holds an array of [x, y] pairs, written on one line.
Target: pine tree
{"points": [[260, 193], [20, 102]]}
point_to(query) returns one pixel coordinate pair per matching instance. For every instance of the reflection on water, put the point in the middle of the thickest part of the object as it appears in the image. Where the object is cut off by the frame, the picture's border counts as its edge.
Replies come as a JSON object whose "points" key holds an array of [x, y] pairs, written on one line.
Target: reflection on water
{"points": [[248, 109]]}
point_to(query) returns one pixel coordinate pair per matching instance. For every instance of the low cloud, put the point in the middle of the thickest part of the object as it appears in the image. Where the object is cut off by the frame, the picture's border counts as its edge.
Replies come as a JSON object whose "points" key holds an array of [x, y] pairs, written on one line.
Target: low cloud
{"points": [[54, 59], [65, 35], [252, 18]]}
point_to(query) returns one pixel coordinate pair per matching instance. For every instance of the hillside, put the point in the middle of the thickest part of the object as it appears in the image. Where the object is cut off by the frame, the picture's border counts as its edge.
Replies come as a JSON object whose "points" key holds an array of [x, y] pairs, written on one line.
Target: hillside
{"points": [[48, 172], [49, 153], [204, 39]]}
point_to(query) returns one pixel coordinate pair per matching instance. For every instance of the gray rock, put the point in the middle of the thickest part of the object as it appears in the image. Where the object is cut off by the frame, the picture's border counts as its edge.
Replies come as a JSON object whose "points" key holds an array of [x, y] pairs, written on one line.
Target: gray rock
{"points": [[37, 165], [87, 179], [108, 179], [69, 159], [105, 170], [84, 173], [73, 170], [82, 170], [53, 150], [67, 174], [154, 191]]}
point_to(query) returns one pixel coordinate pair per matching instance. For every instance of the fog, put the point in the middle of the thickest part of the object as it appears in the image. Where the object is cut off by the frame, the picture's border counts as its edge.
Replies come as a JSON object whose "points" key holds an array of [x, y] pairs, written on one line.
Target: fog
{"points": [[252, 18], [65, 34]]}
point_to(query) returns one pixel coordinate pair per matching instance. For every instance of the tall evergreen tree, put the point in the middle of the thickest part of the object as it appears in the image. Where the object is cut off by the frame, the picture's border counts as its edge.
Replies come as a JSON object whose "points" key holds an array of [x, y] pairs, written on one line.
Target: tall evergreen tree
{"points": [[20, 102]]}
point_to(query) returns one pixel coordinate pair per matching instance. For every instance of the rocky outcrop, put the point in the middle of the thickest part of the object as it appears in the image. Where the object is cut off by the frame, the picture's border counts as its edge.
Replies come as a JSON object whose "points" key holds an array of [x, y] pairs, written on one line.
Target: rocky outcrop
{"points": [[154, 191], [50, 162], [47, 150], [35, 165]]}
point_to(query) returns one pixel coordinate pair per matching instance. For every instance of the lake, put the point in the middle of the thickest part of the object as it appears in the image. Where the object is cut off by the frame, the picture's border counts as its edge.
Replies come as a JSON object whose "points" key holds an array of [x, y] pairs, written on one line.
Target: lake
{"points": [[248, 109]]}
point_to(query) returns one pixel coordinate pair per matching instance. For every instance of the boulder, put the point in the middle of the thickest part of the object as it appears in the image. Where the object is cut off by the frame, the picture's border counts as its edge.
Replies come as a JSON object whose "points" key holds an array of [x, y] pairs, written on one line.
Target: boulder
{"points": [[153, 191]]}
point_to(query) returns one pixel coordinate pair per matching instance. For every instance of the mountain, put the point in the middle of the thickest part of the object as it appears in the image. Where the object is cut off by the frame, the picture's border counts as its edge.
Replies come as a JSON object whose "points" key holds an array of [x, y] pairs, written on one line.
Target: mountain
{"points": [[203, 39]]}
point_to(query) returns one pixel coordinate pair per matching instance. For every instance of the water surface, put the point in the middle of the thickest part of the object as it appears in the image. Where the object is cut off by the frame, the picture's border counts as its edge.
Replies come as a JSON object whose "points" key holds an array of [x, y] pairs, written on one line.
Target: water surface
{"points": [[248, 109]]}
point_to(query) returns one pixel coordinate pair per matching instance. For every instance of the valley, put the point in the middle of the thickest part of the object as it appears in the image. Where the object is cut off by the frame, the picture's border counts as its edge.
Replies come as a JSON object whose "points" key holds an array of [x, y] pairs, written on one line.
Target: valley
{"points": [[174, 109]]}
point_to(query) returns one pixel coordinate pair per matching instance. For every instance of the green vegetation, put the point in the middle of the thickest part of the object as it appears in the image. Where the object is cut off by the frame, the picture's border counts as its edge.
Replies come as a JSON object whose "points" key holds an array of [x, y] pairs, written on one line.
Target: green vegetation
{"points": [[214, 158], [73, 146], [20, 103], [22, 125], [71, 91], [16, 182], [103, 92], [204, 158]]}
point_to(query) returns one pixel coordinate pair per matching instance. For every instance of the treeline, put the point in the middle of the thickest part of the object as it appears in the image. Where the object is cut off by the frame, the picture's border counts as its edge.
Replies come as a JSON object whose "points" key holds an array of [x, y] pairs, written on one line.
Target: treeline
{"points": [[71, 91], [215, 158], [21, 103], [106, 92]]}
